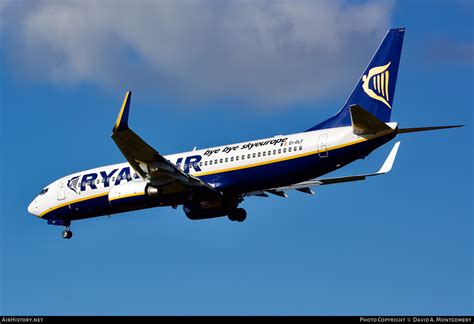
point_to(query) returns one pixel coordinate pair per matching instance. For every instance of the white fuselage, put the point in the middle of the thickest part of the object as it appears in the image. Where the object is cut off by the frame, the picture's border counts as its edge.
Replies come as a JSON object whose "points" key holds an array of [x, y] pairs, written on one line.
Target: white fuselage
{"points": [[199, 163]]}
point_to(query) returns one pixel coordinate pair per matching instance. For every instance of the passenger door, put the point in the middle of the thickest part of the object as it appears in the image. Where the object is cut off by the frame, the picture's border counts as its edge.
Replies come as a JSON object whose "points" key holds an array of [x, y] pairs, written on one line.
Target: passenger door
{"points": [[61, 190], [323, 145]]}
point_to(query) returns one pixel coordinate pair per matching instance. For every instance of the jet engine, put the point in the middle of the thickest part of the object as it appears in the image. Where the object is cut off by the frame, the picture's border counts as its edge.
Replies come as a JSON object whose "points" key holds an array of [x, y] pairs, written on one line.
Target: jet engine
{"points": [[206, 209], [135, 192], [214, 208]]}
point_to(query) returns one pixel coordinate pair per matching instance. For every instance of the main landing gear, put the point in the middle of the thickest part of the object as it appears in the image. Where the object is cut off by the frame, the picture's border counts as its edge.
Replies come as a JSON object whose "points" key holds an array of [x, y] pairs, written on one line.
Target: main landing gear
{"points": [[238, 215], [67, 234]]}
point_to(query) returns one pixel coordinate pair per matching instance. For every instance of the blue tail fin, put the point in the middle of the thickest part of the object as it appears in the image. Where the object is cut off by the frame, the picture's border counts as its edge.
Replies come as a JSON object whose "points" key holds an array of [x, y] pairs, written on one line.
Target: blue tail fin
{"points": [[376, 88]]}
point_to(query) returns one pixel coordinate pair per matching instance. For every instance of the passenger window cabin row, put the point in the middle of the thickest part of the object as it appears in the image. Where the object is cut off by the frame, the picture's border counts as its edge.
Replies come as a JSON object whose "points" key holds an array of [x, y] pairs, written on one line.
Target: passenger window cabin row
{"points": [[242, 157], [249, 156]]}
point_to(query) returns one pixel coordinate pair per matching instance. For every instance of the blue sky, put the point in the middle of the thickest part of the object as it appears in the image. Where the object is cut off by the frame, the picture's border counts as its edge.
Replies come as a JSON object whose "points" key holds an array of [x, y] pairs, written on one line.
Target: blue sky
{"points": [[397, 244]]}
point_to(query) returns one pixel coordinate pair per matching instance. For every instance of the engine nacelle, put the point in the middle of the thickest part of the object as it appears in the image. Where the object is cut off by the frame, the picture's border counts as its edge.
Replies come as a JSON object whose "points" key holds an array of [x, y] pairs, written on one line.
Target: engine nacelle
{"points": [[206, 209], [135, 192]]}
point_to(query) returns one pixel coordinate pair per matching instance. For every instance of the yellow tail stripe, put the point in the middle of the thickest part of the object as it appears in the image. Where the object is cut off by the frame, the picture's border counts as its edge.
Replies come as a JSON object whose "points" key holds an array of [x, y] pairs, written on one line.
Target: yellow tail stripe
{"points": [[383, 81], [378, 83]]}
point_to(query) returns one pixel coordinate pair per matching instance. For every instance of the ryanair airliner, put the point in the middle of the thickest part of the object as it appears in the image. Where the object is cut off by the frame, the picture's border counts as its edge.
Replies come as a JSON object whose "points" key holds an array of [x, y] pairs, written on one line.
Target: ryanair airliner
{"points": [[213, 182]]}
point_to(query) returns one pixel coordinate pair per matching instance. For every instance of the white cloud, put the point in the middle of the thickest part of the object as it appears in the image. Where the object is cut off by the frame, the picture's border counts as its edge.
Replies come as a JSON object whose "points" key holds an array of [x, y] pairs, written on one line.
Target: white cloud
{"points": [[264, 53]]}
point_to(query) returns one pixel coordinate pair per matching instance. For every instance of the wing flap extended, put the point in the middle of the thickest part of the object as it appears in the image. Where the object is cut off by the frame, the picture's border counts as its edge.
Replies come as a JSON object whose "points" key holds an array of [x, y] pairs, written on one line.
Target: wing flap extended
{"points": [[306, 190]]}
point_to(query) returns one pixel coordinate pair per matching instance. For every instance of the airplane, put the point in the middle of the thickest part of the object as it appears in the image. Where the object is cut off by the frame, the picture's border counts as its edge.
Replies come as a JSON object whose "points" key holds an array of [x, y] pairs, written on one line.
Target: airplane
{"points": [[213, 182]]}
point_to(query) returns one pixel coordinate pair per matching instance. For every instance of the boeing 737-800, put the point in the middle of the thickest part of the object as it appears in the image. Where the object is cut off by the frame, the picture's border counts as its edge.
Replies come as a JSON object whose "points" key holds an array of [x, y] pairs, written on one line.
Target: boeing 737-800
{"points": [[213, 182]]}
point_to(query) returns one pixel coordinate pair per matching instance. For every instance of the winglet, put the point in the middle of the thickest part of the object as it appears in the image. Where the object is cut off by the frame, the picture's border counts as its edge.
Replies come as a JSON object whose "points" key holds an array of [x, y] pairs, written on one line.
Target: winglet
{"points": [[122, 119], [387, 165]]}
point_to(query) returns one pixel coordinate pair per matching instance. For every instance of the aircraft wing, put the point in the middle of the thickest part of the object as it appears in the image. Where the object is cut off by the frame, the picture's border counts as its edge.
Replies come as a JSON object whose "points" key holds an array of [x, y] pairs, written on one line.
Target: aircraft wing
{"points": [[150, 164], [305, 186]]}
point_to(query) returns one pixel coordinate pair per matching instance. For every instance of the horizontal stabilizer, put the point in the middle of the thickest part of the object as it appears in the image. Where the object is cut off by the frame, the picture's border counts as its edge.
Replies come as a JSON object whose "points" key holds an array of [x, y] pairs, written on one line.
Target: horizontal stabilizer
{"points": [[424, 129], [364, 123]]}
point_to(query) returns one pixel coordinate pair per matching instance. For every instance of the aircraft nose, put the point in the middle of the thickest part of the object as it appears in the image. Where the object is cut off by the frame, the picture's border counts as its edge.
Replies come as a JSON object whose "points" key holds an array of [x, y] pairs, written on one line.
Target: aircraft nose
{"points": [[33, 208]]}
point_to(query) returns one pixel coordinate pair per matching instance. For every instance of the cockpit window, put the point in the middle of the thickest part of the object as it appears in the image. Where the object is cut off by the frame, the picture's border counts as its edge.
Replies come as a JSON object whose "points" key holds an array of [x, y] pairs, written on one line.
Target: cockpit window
{"points": [[45, 190]]}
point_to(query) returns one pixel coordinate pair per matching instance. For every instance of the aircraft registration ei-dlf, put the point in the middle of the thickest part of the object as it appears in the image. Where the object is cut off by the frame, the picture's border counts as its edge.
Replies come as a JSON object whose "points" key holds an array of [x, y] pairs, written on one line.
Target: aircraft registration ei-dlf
{"points": [[213, 182]]}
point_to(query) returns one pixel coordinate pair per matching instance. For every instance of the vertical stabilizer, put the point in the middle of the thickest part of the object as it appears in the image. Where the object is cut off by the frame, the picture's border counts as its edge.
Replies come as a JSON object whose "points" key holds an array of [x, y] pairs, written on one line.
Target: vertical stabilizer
{"points": [[375, 89]]}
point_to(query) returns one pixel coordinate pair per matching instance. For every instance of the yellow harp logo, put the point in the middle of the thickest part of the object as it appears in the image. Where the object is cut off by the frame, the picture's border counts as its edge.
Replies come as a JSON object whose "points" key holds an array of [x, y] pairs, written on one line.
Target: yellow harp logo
{"points": [[380, 76]]}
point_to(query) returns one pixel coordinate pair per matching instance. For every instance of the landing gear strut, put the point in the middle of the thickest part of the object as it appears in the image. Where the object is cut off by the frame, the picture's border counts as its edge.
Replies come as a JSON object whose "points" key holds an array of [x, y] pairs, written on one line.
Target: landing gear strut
{"points": [[67, 234], [238, 215]]}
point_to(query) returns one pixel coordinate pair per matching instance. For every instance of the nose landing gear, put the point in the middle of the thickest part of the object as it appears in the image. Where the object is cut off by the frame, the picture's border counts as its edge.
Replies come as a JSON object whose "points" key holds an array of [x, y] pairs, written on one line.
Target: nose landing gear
{"points": [[67, 234]]}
